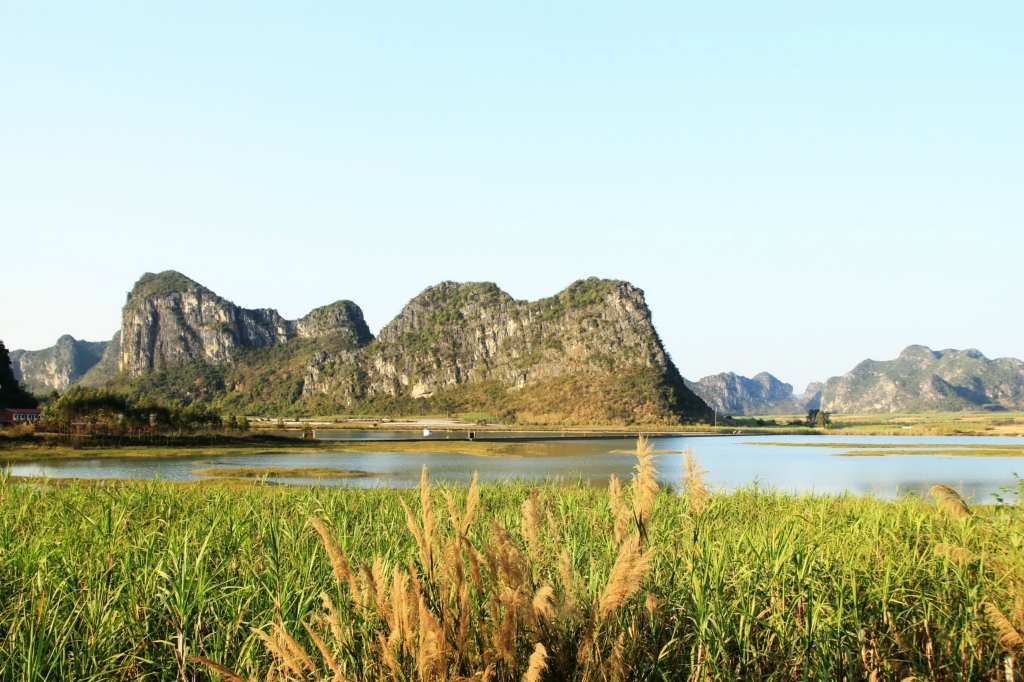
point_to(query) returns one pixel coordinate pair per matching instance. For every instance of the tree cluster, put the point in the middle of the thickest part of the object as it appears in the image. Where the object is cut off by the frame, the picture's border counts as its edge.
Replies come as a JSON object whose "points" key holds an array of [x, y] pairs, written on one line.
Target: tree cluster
{"points": [[819, 418], [12, 394], [87, 408]]}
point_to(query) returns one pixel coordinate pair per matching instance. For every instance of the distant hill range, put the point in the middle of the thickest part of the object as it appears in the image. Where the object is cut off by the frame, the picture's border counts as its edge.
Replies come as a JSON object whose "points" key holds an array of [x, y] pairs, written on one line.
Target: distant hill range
{"points": [[923, 380], [58, 366], [919, 380], [731, 394], [588, 355]]}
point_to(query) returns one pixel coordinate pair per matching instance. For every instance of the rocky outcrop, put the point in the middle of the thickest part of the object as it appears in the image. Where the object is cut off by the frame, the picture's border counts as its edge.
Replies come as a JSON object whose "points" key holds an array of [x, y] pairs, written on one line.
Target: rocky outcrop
{"points": [[104, 370], [923, 380], [56, 367], [732, 394], [589, 354], [170, 320], [457, 334], [811, 398]]}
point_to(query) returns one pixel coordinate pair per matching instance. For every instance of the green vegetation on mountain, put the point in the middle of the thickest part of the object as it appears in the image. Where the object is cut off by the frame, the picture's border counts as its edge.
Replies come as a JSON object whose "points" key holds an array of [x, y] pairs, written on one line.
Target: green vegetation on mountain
{"points": [[106, 369], [588, 355], [164, 284], [59, 366], [922, 380], [12, 393], [640, 397], [259, 381]]}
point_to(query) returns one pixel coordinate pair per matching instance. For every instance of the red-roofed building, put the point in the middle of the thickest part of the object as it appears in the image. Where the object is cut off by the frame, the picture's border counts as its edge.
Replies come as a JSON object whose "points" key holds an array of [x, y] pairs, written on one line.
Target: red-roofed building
{"points": [[16, 415]]}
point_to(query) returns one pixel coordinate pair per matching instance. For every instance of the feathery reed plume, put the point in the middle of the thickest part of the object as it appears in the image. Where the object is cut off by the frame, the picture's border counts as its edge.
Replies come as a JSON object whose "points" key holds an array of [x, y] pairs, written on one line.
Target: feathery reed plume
{"points": [[465, 614], [332, 618], [693, 481], [532, 519], [417, 532], [645, 483], [462, 523], [613, 666], [423, 531], [339, 562], [1009, 637], [405, 615], [297, 656], [455, 610], [543, 602], [386, 655], [428, 514], [321, 645], [217, 668], [379, 589], [651, 604], [538, 664], [281, 651], [472, 505], [453, 511], [619, 509], [430, 654], [950, 501], [509, 559], [626, 576], [960, 555]]}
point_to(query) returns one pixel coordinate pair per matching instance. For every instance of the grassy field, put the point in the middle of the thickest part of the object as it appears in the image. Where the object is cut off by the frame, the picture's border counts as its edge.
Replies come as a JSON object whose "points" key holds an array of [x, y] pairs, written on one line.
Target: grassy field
{"points": [[943, 424], [151, 580]]}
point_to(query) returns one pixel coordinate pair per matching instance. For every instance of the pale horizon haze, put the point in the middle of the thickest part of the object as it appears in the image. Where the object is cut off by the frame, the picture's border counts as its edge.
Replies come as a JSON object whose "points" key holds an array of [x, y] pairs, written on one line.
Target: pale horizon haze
{"points": [[795, 186]]}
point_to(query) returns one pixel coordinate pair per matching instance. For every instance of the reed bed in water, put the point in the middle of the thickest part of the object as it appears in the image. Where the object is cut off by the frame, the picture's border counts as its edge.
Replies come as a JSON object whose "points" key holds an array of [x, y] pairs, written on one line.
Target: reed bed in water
{"points": [[504, 582]]}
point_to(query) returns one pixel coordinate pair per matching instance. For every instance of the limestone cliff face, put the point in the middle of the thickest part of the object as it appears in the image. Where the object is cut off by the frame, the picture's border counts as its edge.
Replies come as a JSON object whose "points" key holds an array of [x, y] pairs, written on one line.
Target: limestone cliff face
{"points": [[104, 370], [589, 354], [170, 320], [923, 380], [731, 394], [812, 395], [458, 334], [58, 366]]}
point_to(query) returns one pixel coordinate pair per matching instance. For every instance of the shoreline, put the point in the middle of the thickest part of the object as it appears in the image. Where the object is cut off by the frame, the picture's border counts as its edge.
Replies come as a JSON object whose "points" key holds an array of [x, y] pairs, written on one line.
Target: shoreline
{"points": [[514, 447]]}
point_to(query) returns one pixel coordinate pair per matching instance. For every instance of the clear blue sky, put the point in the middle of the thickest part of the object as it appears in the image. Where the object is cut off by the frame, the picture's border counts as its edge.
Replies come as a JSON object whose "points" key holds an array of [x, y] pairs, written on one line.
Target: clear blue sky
{"points": [[795, 186]]}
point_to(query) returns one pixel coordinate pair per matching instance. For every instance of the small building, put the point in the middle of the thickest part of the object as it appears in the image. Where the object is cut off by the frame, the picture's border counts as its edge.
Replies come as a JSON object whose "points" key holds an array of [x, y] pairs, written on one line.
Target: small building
{"points": [[17, 415]]}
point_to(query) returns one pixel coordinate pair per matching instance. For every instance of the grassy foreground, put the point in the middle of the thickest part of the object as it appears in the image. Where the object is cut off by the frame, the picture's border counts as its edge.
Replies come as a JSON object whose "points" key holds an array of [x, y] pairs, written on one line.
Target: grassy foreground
{"points": [[134, 581]]}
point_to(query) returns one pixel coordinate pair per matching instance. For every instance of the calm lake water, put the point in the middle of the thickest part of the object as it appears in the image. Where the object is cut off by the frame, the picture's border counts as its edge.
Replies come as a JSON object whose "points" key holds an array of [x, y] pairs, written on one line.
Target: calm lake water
{"points": [[730, 461]]}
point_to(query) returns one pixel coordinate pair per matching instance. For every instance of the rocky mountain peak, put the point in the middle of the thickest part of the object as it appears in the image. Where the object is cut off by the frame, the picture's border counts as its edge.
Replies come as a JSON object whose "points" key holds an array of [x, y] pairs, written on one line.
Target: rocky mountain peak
{"points": [[456, 335], [56, 367], [587, 355], [923, 380], [166, 283], [340, 317], [811, 397], [170, 320], [919, 354], [731, 394], [445, 304]]}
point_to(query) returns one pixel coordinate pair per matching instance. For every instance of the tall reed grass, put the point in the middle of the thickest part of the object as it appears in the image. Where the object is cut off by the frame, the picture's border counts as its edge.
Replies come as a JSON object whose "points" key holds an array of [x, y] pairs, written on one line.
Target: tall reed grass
{"points": [[150, 580]]}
